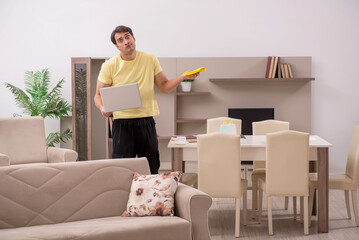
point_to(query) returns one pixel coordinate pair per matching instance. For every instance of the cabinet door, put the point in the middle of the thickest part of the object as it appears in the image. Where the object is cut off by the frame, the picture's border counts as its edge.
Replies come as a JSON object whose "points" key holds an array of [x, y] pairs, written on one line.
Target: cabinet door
{"points": [[80, 120]]}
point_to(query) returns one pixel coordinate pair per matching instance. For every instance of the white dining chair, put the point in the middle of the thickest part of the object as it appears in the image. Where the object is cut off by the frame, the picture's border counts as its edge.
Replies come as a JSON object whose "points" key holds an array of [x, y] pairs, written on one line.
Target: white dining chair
{"points": [[287, 171], [348, 181], [219, 170], [262, 128]]}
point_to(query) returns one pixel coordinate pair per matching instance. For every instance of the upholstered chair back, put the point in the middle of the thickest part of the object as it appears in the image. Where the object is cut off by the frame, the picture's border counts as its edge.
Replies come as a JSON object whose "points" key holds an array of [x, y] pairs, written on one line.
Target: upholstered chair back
{"points": [[23, 139], [219, 164], [269, 126], [213, 124], [264, 127], [287, 163], [352, 168]]}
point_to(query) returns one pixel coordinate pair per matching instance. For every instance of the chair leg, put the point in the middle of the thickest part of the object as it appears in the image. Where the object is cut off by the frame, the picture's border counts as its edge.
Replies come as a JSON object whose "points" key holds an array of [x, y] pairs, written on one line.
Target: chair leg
{"points": [[301, 209], [311, 202], [254, 197], [270, 222], [238, 218], [355, 206], [346, 193], [295, 207], [245, 208], [286, 200], [260, 200], [306, 213]]}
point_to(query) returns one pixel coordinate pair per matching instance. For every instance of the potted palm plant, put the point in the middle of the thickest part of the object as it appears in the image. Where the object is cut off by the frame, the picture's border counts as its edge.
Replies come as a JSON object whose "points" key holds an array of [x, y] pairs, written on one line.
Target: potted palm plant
{"points": [[38, 100]]}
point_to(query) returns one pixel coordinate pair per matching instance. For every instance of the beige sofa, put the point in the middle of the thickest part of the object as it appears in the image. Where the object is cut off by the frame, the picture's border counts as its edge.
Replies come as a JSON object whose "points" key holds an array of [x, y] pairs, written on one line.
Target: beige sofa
{"points": [[84, 200]]}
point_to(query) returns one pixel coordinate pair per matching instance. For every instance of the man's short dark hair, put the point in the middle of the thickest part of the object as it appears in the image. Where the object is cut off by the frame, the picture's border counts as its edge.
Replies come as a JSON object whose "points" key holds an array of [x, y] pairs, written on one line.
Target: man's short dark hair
{"points": [[120, 29]]}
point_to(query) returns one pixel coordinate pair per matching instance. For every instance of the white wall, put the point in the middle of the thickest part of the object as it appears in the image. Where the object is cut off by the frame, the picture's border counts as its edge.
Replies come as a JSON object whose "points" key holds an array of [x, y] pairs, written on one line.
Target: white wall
{"points": [[36, 34]]}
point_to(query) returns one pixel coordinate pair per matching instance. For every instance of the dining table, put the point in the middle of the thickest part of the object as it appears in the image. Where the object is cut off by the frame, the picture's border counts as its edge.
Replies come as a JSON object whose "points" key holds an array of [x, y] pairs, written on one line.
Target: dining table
{"points": [[253, 148]]}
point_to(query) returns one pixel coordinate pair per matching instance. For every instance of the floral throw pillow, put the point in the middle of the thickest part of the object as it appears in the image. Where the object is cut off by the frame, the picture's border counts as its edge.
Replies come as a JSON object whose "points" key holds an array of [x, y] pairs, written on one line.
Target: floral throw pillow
{"points": [[152, 195]]}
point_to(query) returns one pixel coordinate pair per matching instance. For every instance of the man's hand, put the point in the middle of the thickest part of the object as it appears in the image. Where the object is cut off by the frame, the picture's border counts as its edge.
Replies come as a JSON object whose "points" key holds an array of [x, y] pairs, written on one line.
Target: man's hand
{"points": [[166, 86], [98, 100], [105, 114], [193, 76]]}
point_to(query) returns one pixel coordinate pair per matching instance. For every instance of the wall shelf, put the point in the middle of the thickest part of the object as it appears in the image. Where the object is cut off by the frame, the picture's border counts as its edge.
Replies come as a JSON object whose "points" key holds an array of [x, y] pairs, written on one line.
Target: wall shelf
{"points": [[260, 79]]}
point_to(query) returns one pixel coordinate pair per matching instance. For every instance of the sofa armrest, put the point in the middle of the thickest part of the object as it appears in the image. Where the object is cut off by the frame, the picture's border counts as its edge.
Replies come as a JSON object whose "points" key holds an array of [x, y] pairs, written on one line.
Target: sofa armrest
{"points": [[60, 155], [192, 205], [4, 160]]}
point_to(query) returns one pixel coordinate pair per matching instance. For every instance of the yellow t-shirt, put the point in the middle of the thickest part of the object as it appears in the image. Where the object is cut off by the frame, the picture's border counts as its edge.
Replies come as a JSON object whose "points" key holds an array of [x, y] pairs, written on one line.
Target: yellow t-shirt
{"points": [[141, 70]]}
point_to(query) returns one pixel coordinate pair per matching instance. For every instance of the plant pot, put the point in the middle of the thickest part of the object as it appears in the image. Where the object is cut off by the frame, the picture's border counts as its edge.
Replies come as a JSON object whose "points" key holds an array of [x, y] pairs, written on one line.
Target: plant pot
{"points": [[186, 86]]}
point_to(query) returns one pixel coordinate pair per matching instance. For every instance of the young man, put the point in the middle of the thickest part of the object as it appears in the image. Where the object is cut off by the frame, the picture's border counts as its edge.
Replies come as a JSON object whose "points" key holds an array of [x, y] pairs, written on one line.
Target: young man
{"points": [[133, 132]]}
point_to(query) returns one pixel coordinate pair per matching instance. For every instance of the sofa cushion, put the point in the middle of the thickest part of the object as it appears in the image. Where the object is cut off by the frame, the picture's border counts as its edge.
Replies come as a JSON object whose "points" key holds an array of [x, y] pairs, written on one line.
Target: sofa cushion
{"points": [[152, 195], [109, 228]]}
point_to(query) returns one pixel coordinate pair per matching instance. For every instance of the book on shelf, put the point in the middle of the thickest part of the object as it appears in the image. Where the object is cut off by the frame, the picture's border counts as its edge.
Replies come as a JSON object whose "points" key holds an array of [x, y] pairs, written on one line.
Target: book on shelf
{"points": [[286, 70], [268, 66], [275, 72], [278, 75], [271, 67], [276, 69], [282, 70], [290, 70]]}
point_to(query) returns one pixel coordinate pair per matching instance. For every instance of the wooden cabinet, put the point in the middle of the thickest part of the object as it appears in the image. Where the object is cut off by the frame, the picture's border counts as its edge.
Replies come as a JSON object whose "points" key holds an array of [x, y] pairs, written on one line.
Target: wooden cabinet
{"points": [[88, 125]]}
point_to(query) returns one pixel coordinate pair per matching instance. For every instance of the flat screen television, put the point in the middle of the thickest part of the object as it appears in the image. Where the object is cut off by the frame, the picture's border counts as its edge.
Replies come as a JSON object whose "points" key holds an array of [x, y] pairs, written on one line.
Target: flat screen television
{"points": [[249, 115]]}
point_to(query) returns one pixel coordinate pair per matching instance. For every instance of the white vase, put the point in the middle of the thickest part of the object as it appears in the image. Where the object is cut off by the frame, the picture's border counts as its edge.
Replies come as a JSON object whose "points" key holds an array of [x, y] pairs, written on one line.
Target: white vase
{"points": [[186, 86]]}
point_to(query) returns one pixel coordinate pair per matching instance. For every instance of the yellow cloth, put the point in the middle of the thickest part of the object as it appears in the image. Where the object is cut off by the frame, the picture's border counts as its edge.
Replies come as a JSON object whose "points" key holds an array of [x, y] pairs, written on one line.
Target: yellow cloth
{"points": [[141, 70], [202, 69]]}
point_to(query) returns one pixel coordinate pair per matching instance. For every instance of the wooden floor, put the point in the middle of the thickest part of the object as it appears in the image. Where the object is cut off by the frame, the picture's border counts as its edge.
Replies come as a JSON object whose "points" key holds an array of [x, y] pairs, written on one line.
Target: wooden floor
{"points": [[221, 221]]}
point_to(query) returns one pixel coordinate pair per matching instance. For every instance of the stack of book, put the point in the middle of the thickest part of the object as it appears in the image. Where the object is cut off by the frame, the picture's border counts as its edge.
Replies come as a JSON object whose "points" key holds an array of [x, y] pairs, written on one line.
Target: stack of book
{"points": [[286, 70], [275, 69]]}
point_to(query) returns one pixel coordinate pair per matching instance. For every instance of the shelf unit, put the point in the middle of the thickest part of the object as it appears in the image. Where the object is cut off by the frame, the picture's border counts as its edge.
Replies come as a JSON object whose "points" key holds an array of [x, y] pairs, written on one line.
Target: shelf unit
{"points": [[178, 120], [184, 113]]}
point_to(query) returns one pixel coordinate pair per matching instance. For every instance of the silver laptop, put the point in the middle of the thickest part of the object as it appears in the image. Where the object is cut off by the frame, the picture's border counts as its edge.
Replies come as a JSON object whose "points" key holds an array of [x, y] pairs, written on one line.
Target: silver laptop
{"points": [[121, 97]]}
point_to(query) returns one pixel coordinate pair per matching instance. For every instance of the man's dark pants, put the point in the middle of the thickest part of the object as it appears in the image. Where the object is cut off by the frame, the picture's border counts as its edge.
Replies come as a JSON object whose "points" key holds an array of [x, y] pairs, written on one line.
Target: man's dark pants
{"points": [[136, 137]]}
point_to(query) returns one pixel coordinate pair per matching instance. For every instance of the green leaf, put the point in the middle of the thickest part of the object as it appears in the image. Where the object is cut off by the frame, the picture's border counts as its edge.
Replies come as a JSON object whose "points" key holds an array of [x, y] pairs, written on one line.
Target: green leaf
{"points": [[22, 100], [37, 100], [56, 137]]}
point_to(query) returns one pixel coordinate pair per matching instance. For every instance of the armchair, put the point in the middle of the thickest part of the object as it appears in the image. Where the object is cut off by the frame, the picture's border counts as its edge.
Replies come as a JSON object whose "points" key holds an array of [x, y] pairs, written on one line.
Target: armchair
{"points": [[22, 141]]}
